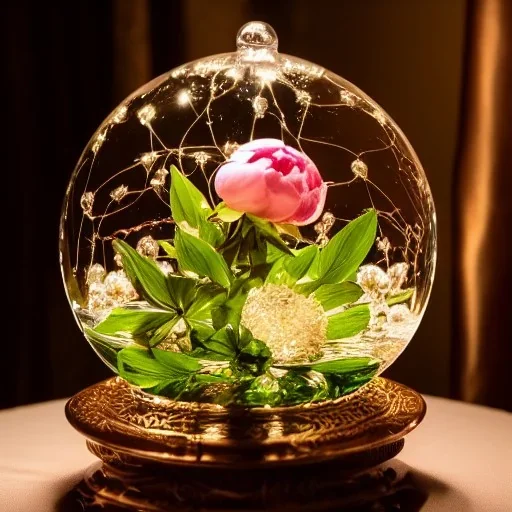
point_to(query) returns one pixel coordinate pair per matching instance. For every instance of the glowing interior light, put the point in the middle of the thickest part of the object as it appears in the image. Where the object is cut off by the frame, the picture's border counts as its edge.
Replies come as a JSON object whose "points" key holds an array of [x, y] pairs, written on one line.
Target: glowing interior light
{"points": [[183, 98]]}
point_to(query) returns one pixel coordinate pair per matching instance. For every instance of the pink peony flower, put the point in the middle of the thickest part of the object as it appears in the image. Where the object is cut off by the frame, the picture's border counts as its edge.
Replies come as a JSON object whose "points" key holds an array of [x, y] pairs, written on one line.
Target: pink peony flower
{"points": [[272, 181]]}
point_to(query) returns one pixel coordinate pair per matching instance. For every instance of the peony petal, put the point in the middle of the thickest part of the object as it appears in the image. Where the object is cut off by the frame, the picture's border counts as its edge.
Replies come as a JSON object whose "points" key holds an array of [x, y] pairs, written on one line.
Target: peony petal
{"points": [[282, 197], [311, 207], [297, 154], [274, 181], [313, 178], [298, 180], [285, 163], [241, 156], [256, 149], [263, 153], [243, 186]]}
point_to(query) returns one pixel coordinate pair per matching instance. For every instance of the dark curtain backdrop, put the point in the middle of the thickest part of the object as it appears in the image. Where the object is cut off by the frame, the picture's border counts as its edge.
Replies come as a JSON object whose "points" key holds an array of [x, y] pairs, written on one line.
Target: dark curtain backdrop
{"points": [[70, 64]]}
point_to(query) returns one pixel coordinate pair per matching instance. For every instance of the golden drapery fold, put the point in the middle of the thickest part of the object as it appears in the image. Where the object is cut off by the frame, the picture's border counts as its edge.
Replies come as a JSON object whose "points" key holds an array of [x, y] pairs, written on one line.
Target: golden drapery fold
{"points": [[483, 207]]}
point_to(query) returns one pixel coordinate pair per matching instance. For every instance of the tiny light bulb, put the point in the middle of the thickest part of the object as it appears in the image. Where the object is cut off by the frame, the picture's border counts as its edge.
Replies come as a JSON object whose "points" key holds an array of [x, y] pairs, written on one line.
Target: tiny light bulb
{"points": [[183, 98]]}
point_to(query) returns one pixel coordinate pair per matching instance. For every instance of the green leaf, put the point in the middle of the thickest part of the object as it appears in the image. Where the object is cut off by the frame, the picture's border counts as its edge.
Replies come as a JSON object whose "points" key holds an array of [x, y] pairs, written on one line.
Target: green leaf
{"points": [[346, 365], [191, 210], [203, 353], [263, 390], [344, 382], [298, 387], [226, 214], [289, 230], [200, 313], [176, 388], [299, 265], [182, 290], [133, 322], [278, 274], [403, 296], [176, 362], [257, 349], [198, 256], [273, 253], [189, 207], [332, 296], [355, 319], [258, 253], [145, 275], [223, 342], [148, 368], [307, 287], [252, 250], [253, 354], [208, 296], [211, 232], [105, 346], [144, 325], [168, 248], [269, 232], [348, 323], [314, 270], [345, 252], [163, 331], [137, 366], [302, 383], [231, 311]]}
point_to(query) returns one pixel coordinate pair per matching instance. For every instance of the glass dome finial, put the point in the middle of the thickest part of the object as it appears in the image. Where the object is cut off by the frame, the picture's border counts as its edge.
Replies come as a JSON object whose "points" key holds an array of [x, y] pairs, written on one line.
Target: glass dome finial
{"points": [[257, 41]]}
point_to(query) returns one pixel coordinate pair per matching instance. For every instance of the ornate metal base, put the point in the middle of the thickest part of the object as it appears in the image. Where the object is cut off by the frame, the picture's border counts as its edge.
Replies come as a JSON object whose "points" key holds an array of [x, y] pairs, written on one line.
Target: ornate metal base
{"points": [[160, 455]]}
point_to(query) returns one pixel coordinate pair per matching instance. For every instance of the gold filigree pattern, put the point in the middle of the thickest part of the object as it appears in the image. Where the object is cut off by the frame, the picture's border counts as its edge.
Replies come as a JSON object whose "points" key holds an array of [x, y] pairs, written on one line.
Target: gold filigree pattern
{"points": [[120, 420], [328, 487]]}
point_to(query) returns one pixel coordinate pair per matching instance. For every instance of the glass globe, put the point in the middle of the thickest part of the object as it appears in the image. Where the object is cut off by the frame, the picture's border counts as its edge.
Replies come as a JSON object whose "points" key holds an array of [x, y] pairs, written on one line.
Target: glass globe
{"points": [[248, 229]]}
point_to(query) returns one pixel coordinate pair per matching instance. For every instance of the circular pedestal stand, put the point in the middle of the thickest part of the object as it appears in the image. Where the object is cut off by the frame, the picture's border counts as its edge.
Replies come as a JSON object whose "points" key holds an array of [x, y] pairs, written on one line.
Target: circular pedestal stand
{"points": [[158, 454]]}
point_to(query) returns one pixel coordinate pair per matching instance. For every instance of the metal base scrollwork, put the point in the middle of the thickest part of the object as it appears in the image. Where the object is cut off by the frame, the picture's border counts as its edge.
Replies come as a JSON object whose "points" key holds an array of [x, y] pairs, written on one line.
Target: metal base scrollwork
{"points": [[159, 455]]}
